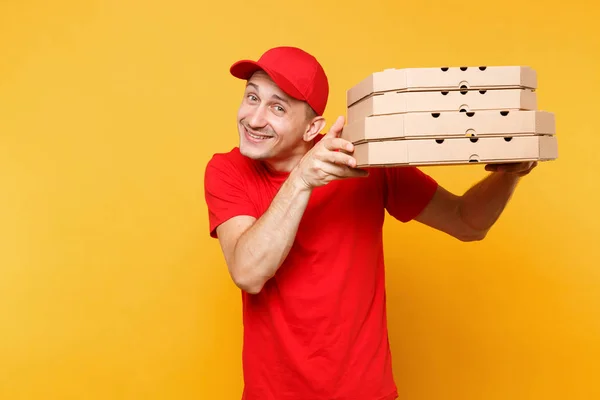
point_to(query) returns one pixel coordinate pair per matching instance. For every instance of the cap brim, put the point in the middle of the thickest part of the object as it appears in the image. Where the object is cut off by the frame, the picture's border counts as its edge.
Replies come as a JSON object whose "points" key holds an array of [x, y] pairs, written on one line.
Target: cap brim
{"points": [[244, 69]]}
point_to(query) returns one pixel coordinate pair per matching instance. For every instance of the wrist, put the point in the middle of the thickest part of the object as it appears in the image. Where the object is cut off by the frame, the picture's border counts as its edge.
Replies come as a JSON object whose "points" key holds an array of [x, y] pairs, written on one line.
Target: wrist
{"points": [[297, 183]]}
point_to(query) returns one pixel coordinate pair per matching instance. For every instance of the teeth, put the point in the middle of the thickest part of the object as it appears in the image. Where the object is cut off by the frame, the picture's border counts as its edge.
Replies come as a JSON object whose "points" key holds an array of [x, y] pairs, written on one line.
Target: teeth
{"points": [[257, 136]]}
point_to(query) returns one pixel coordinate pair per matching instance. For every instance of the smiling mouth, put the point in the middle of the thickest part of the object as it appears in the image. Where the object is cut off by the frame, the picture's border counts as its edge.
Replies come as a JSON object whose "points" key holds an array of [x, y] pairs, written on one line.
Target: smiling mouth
{"points": [[257, 136]]}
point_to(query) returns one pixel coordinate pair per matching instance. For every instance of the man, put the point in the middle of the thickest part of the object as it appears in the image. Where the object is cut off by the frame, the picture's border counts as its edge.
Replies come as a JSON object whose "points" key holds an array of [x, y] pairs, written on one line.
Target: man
{"points": [[301, 232]]}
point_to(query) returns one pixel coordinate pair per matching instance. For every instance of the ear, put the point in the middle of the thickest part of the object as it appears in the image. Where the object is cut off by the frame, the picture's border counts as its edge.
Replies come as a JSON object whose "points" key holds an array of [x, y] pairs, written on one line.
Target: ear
{"points": [[314, 127]]}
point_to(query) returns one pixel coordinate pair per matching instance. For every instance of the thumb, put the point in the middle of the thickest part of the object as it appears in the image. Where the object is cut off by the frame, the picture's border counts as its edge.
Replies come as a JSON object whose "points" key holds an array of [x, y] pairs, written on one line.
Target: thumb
{"points": [[336, 128]]}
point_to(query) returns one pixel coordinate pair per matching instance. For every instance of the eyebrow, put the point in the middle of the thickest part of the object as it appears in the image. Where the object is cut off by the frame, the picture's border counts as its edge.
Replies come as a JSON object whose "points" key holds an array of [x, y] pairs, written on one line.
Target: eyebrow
{"points": [[282, 99], [275, 95]]}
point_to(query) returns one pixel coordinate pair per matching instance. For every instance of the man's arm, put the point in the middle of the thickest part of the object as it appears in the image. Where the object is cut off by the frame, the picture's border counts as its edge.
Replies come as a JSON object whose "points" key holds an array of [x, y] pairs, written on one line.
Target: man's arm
{"points": [[470, 217], [254, 249]]}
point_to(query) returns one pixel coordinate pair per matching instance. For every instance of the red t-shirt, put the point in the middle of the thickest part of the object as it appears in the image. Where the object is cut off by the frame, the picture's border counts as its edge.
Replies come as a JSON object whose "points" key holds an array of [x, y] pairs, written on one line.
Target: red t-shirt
{"points": [[318, 329]]}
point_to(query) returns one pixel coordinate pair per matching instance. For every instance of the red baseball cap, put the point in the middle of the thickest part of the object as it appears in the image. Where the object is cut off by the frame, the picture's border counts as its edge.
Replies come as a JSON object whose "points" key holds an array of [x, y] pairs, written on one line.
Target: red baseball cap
{"points": [[295, 71]]}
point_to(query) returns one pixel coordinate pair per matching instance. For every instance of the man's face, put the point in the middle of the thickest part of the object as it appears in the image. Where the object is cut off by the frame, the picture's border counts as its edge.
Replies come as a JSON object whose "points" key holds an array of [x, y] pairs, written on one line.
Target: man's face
{"points": [[271, 124]]}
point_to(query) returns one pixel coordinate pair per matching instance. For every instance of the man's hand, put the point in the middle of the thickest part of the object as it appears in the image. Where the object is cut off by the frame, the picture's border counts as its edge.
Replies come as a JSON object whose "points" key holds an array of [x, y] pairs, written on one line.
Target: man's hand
{"points": [[328, 160], [519, 169]]}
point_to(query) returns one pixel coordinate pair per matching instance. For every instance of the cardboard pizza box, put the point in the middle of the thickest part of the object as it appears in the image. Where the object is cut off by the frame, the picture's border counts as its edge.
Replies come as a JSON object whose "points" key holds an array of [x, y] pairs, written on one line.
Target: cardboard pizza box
{"points": [[450, 124], [456, 151], [405, 102], [444, 78]]}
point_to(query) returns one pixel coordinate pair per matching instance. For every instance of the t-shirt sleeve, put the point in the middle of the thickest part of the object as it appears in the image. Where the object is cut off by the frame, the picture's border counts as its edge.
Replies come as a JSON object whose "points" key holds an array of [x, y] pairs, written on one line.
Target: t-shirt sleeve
{"points": [[225, 193], [408, 191]]}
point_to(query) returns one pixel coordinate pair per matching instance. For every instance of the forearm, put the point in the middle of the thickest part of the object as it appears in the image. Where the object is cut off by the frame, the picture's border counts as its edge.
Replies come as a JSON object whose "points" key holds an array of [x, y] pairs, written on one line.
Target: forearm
{"points": [[482, 204], [261, 250]]}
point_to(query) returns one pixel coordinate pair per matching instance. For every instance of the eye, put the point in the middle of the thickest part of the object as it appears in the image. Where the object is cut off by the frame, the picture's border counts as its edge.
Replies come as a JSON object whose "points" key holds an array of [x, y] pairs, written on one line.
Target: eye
{"points": [[279, 109], [252, 97]]}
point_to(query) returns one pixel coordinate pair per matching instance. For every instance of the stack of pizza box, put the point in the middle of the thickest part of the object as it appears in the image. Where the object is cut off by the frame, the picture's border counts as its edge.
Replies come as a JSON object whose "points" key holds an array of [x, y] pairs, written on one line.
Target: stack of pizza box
{"points": [[448, 115]]}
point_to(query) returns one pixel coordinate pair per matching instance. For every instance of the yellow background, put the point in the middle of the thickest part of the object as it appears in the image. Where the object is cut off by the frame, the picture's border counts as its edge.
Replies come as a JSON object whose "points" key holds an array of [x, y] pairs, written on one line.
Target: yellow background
{"points": [[110, 287]]}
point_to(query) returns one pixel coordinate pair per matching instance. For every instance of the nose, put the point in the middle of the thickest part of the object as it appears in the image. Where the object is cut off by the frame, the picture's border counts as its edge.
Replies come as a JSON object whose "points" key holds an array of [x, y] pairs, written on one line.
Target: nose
{"points": [[257, 119]]}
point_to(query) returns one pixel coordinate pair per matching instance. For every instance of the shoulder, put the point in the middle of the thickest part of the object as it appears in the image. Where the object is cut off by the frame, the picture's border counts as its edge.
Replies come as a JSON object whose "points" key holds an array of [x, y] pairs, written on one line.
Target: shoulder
{"points": [[226, 188], [408, 190], [231, 158], [226, 171], [407, 175], [231, 165]]}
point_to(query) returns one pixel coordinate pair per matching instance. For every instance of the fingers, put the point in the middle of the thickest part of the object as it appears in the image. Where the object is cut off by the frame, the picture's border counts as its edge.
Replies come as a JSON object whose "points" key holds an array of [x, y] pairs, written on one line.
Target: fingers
{"points": [[336, 128], [338, 151], [334, 144], [357, 173], [335, 171], [340, 158], [331, 159], [514, 168]]}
